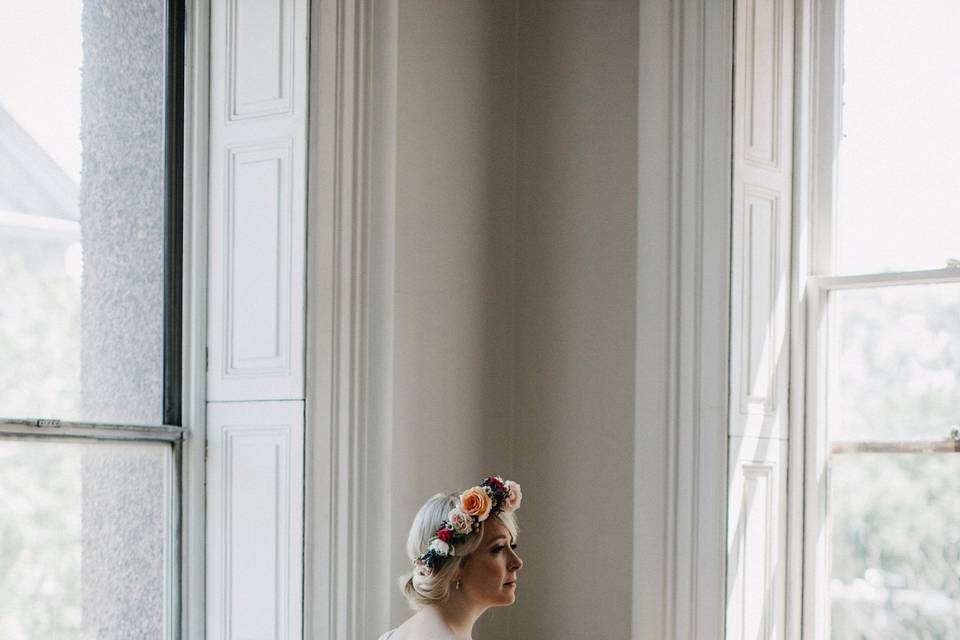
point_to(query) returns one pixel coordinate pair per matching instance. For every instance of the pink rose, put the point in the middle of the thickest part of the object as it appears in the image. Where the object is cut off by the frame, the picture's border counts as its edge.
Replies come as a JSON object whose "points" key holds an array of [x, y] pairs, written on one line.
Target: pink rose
{"points": [[512, 502], [459, 521]]}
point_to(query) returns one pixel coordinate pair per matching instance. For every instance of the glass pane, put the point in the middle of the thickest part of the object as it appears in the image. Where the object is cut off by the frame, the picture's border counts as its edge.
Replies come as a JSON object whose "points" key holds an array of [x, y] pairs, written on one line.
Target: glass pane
{"points": [[899, 165], [895, 546], [81, 210], [83, 536], [895, 363]]}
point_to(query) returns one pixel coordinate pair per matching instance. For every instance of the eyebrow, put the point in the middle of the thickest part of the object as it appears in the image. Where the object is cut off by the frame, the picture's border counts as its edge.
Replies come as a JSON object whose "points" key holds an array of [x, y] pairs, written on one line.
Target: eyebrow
{"points": [[500, 538]]}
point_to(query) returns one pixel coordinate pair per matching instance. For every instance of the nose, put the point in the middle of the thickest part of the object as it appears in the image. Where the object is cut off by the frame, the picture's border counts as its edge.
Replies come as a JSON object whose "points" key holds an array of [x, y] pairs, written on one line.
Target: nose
{"points": [[517, 561]]}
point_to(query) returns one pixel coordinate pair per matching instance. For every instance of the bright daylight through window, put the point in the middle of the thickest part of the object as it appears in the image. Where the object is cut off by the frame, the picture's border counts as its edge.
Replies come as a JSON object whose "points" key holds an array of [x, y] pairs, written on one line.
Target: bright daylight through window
{"points": [[88, 250], [891, 326]]}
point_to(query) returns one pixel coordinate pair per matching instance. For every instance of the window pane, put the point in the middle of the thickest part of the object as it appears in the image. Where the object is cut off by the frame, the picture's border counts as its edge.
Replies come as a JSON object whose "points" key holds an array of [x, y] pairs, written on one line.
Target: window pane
{"points": [[83, 532], [895, 536], [899, 165], [895, 366], [81, 210]]}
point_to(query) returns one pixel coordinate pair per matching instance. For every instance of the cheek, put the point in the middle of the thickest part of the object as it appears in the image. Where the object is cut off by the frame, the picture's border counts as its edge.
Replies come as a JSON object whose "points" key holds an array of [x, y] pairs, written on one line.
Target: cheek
{"points": [[486, 570]]}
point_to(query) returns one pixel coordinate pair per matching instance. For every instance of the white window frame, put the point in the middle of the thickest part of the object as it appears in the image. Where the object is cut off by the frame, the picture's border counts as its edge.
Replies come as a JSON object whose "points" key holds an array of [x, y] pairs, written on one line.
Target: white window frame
{"points": [[818, 100]]}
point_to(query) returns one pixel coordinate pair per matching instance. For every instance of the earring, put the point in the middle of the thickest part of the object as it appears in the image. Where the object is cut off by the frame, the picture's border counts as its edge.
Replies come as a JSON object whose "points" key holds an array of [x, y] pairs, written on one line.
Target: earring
{"points": [[458, 584]]}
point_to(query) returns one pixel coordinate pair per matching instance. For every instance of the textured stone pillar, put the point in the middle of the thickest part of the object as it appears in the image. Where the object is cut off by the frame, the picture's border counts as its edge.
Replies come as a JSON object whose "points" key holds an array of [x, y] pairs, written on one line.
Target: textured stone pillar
{"points": [[121, 210], [121, 217]]}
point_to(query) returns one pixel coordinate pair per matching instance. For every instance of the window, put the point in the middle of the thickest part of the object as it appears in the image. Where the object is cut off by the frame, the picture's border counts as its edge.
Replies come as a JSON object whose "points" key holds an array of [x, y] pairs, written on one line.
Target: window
{"points": [[883, 360], [90, 273]]}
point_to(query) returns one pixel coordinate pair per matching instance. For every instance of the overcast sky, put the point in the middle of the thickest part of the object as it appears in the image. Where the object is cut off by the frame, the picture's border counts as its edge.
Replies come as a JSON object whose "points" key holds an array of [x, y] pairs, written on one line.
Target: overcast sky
{"points": [[40, 58], [900, 160]]}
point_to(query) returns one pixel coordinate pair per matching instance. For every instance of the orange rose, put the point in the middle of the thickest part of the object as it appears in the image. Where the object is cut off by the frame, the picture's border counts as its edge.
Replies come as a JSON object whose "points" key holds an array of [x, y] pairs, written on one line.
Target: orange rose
{"points": [[476, 502]]}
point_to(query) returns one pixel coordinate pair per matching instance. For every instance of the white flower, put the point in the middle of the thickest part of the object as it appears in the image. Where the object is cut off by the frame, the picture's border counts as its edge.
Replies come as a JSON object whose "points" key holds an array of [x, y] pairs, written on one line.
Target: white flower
{"points": [[459, 521], [424, 569], [441, 547]]}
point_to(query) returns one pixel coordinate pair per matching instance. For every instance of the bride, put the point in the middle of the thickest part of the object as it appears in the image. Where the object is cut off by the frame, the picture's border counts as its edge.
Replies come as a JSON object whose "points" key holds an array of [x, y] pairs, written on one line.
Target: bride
{"points": [[463, 549]]}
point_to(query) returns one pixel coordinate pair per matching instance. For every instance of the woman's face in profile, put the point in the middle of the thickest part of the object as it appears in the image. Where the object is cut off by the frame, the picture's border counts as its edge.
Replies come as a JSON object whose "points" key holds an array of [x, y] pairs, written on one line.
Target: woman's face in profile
{"points": [[489, 574]]}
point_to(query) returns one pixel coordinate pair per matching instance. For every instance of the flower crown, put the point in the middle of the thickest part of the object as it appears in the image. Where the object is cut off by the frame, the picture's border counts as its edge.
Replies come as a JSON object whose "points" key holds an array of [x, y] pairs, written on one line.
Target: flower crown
{"points": [[492, 496]]}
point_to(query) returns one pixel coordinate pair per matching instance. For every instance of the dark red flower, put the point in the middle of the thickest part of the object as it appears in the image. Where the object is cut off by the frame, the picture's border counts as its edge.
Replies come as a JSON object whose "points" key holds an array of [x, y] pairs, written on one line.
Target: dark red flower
{"points": [[445, 534], [494, 483]]}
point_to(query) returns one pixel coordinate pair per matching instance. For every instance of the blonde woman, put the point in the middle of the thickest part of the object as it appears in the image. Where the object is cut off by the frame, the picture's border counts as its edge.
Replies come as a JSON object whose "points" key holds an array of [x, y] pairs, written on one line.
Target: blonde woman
{"points": [[464, 554]]}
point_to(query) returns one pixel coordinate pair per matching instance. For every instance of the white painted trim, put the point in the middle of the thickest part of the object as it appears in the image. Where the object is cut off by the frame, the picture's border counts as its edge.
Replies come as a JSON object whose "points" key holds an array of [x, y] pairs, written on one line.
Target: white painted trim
{"points": [[696, 195], [656, 132], [816, 593], [818, 95], [892, 279], [380, 582], [351, 171], [194, 331], [805, 48]]}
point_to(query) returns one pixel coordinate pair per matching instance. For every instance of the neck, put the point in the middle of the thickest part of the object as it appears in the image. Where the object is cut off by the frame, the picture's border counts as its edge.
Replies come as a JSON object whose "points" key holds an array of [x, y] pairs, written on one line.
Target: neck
{"points": [[459, 615]]}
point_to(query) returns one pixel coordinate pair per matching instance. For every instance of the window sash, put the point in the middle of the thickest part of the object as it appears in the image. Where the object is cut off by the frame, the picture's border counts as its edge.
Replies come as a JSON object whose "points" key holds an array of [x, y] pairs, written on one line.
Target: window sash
{"points": [[64, 429], [947, 275], [171, 430], [173, 273], [818, 97], [947, 445], [816, 445]]}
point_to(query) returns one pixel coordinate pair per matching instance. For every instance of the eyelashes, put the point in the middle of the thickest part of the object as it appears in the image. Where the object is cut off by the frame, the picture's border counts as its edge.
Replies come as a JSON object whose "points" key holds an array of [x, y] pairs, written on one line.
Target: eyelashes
{"points": [[500, 547]]}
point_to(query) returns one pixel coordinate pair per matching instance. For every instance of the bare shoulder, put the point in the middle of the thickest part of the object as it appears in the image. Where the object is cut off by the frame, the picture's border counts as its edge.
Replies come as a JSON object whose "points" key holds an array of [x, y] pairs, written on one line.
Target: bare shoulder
{"points": [[399, 634], [416, 629]]}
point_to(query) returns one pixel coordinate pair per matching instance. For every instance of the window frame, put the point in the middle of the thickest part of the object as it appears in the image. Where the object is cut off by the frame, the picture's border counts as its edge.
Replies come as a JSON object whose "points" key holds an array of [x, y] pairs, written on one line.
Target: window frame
{"points": [[818, 97]]}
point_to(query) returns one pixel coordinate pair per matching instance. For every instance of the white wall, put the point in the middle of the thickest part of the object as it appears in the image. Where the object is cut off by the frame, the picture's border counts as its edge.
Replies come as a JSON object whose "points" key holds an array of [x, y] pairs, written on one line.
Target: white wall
{"points": [[576, 232], [454, 271]]}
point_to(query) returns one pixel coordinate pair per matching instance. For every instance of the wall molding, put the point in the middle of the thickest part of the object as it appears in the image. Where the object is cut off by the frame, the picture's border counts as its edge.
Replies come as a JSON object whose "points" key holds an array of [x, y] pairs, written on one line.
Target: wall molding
{"points": [[694, 197], [346, 564]]}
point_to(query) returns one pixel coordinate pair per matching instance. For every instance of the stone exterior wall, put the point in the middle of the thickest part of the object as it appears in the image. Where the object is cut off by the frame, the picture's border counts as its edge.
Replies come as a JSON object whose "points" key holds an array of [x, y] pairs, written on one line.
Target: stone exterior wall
{"points": [[121, 217]]}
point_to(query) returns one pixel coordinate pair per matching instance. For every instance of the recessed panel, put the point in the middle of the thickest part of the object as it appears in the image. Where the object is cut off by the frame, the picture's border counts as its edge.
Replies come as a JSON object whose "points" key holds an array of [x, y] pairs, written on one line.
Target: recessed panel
{"points": [[755, 563], [762, 315], [755, 560], [254, 459], [763, 71], [258, 263], [259, 51]]}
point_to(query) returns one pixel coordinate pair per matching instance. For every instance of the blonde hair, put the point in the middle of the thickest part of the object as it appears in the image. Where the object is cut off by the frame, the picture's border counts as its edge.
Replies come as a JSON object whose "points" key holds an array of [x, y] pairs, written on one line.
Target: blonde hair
{"points": [[423, 590]]}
